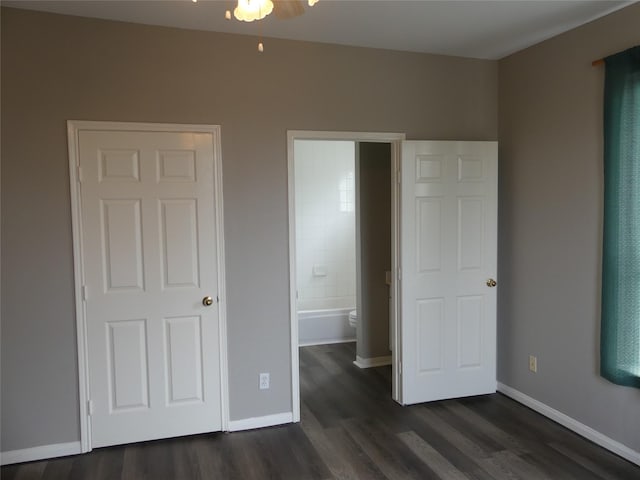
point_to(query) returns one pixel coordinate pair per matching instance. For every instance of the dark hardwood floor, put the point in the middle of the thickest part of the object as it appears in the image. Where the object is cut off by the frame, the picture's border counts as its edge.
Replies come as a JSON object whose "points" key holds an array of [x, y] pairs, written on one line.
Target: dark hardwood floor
{"points": [[351, 429]]}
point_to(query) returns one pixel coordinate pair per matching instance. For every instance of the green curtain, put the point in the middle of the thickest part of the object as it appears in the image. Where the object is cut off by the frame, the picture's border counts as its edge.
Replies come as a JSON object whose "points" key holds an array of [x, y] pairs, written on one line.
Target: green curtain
{"points": [[620, 324]]}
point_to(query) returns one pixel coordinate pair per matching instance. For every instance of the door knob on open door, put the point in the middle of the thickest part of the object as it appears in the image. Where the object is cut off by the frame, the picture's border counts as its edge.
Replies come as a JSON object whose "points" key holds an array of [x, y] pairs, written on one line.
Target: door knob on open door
{"points": [[491, 283], [207, 301]]}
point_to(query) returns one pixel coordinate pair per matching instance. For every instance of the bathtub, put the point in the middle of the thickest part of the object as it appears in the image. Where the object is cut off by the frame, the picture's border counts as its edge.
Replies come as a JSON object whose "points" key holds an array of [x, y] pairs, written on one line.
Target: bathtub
{"points": [[317, 327]]}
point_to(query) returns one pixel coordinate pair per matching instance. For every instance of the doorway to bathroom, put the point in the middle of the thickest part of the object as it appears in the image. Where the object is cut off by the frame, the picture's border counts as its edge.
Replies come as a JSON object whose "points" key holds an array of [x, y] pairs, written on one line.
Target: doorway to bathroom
{"points": [[343, 239], [444, 264], [325, 223]]}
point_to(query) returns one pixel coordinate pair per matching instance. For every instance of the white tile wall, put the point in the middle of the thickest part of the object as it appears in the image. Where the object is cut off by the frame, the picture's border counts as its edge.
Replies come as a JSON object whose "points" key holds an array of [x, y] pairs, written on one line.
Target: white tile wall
{"points": [[325, 224]]}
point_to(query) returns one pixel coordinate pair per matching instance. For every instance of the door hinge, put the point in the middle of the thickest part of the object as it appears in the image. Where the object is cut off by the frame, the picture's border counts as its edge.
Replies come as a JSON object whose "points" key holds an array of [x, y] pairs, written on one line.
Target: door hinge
{"points": [[85, 293], [400, 367], [399, 274], [90, 407], [80, 174], [217, 299]]}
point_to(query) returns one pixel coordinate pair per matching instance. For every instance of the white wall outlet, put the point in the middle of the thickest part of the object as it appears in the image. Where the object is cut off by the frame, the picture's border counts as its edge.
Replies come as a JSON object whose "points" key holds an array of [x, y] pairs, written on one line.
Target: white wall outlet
{"points": [[533, 364], [264, 381]]}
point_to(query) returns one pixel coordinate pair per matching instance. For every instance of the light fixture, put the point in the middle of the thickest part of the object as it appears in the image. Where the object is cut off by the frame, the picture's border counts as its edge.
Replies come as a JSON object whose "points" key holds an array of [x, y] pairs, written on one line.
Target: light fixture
{"points": [[250, 10]]}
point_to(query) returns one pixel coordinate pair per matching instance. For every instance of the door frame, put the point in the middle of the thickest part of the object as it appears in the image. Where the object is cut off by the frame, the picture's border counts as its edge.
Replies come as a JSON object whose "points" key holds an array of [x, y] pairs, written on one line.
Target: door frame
{"points": [[395, 139], [74, 127]]}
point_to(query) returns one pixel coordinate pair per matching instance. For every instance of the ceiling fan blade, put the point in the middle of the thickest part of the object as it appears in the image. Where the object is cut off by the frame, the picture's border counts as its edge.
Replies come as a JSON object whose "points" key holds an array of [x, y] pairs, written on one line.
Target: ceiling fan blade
{"points": [[288, 8]]}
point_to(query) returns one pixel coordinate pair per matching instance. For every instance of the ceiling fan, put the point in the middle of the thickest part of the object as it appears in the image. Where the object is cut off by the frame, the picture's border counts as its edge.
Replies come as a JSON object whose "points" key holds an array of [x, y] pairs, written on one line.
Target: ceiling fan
{"points": [[250, 10]]}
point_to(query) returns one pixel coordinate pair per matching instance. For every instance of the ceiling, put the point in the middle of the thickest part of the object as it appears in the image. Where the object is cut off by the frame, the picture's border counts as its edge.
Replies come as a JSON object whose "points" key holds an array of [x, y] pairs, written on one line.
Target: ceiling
{"points": [[475, 28]]}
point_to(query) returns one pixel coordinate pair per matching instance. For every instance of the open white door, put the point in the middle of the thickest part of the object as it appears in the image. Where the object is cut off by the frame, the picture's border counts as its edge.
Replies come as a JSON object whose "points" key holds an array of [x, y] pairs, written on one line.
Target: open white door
{"points": [[448, 267], [149, 263]]}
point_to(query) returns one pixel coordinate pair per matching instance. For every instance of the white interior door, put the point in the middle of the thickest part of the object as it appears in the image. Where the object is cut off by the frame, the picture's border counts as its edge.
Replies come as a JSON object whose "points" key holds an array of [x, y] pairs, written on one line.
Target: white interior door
{"points": [[149, 256], [448, 262]]}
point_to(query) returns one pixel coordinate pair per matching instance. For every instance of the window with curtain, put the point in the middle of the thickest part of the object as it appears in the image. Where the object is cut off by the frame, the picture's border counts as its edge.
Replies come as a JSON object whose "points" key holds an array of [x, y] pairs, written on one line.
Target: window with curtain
{"points": [[620, 327]]}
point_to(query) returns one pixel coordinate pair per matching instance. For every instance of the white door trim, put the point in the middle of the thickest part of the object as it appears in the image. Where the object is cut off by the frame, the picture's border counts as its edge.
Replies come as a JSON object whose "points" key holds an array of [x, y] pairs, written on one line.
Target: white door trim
{"points": [[74, 127], [395, 139]]}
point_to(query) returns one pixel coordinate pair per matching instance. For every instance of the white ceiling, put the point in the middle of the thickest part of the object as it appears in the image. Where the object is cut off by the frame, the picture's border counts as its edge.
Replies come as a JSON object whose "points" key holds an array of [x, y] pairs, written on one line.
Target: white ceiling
{"points": [[473, 28]]}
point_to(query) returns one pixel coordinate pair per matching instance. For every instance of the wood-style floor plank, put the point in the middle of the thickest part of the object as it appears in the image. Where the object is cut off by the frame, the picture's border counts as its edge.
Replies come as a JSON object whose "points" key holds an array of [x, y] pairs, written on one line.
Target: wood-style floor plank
{"points": [[478, 423], [440, 465], [31, 471], [351, 429], [341, 454], [58, 469], [133, 465], [384, 455]]}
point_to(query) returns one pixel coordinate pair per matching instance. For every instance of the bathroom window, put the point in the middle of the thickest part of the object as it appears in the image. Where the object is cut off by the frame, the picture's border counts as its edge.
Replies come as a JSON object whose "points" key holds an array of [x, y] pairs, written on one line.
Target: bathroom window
{"points": [[347, 193]]}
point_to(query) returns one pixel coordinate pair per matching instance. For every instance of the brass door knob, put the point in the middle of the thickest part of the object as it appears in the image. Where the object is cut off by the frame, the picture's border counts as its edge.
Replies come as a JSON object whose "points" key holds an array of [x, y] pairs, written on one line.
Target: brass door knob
{"points": [[491, 283], [207, 301]]}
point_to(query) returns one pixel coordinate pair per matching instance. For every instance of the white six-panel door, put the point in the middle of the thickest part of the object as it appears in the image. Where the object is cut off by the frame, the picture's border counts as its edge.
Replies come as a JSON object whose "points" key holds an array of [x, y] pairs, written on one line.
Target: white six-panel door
{"points": [[448, 262], [150, 258]]}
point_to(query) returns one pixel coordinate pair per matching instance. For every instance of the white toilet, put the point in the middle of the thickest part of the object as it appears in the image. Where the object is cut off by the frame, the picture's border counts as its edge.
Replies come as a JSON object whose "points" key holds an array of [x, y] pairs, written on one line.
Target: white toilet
{"points": [[353, 318]]}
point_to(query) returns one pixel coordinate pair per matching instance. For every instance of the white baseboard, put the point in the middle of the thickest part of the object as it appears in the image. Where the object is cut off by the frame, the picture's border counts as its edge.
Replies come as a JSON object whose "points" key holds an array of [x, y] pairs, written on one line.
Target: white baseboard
{"points": [[260, 422], [40, 453], [572, 424], [327, 342], [372, 362]]}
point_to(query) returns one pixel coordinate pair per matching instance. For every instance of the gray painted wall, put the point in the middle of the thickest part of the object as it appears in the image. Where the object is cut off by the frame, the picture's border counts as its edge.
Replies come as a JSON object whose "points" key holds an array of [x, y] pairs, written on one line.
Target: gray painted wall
{"points": [[373, 226], [551, 225], [56, 68]]}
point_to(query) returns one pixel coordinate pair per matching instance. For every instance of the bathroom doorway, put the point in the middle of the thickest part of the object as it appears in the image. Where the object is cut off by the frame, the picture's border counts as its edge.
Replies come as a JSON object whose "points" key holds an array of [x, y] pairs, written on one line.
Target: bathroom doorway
{"points": [[343, 245], [325, 224]]}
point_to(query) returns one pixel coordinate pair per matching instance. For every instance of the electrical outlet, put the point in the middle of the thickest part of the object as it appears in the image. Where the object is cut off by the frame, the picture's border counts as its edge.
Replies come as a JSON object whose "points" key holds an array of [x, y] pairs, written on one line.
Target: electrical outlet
{"points": [[264, 381], [533, 364]]}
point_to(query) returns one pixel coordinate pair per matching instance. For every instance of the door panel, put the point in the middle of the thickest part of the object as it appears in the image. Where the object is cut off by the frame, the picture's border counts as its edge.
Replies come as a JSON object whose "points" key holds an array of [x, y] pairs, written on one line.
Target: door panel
{"points": [[149, 251], [184, 359], [127, 364], [448, 252], [122, 244], [179, 240]]}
